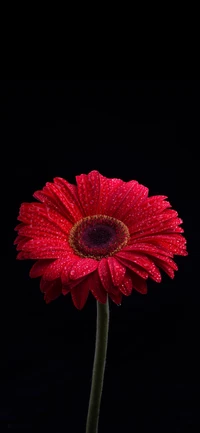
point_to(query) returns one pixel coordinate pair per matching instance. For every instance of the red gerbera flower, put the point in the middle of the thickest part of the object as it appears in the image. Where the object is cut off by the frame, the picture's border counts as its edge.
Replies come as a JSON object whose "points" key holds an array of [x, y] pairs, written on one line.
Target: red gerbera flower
{"points": [[103, 235]]}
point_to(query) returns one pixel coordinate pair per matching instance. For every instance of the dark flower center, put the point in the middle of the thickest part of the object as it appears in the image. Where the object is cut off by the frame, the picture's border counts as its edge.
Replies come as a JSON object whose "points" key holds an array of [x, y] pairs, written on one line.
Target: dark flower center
{"points": [[98, 236]]}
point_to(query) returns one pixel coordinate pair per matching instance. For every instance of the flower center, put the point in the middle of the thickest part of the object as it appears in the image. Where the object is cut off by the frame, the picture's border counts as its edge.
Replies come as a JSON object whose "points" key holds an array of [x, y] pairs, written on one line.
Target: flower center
{"points": [[98, 236]]}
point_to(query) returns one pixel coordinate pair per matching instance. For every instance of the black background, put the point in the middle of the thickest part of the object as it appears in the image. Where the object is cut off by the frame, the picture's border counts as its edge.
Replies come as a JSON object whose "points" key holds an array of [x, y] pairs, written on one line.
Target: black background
{"points": [[146, 130]]}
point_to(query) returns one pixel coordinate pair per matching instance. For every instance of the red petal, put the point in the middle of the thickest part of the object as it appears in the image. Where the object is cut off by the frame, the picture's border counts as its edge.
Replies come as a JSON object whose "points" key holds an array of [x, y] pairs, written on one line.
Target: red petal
{"points": [[116, 298], [107, 189], [172, 238], [149, 207], [95, 191], [172, 246], [46, 249], [60, 199], [51, 289], [124, 194], [18, 239], [22, 242], [41, 217], [127, 261], [89, 191], [105, 276], [18, 226], [71, 192], [168, 261], [65, 275], [66, 204], [22, 256], [182, 253], [53, 292], [139, 284], [96, 287], [156, 227], [126, 286], [74, 283], [147, 248], [42, 231], [65, 290], [166, 268], [165, 244], [117, 271], [55, 269], [153, 221], [39, 268], [80, 294], [173, 230], [146, 263], [126, 197], [82, 268]]}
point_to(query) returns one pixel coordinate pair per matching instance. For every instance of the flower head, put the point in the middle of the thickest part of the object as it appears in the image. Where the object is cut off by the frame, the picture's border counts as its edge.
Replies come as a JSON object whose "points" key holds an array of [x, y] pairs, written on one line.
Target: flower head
{"points": [[101, 235]]}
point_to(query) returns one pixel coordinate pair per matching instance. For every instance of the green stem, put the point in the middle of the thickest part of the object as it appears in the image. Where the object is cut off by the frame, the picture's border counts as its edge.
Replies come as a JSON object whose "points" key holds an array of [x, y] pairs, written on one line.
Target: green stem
{"points": [[98, 367]]}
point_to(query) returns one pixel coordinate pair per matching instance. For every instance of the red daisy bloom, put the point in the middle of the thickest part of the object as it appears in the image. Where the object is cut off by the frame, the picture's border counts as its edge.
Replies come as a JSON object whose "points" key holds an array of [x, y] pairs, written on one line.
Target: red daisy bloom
{"points": [[102, 235]]}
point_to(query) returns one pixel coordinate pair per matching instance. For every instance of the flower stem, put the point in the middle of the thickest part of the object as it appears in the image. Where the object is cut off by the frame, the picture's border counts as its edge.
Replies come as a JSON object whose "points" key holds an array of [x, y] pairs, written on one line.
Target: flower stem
{"points": [[98, 367]]}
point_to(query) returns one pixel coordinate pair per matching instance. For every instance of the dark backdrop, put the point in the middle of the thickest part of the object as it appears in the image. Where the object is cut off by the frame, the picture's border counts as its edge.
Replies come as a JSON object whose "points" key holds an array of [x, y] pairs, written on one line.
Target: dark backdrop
{"points": [[146, 130]]}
